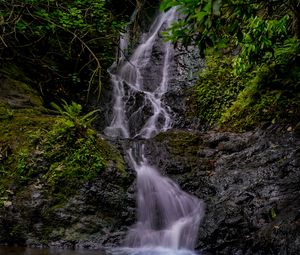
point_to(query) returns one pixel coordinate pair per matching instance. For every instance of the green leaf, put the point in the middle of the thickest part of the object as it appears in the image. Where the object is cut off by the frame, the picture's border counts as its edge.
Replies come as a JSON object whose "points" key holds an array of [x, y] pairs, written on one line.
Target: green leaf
{"points": [[273, 213], [201, 15]]}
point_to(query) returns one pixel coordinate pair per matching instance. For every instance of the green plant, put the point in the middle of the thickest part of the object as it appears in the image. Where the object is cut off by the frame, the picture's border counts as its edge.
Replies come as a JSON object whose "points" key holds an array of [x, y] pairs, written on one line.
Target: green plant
{"points": [[270, 95], [21, 163], [3, 170], [60, 45], [216, 89], [6, 113], [259, 40], [72, 112], [255, 27], [273, 213], [69, 168]]}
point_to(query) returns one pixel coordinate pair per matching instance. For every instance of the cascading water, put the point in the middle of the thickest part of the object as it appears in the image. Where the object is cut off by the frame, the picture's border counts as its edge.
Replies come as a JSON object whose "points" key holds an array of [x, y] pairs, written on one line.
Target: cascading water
{"points": [[130, 78], [168, 218]]}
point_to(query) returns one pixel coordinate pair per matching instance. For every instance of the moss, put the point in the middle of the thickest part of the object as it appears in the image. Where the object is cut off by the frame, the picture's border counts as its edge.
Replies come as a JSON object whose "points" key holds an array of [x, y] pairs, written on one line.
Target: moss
{"points": [[61, 157], [51, 149], [270, 96], [180, 142], [182, 146], [18, 95], [216, 89], [267, 94], [74, 159], [16, 131]]}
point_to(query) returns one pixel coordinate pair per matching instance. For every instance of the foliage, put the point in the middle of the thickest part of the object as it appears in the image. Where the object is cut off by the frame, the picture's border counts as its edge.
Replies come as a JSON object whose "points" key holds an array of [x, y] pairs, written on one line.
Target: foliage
{"points": [[62, 156], [270, 96], [255, 26], [260, 38], [58, 152], [73, 158], [252, 50], [73, 111], [216, 89], [61, 45]]}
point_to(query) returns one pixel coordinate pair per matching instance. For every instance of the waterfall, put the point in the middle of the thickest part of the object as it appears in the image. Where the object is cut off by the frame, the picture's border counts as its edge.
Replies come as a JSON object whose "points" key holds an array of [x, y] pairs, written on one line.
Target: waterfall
{"points": [[167, 217], [130, 78]]}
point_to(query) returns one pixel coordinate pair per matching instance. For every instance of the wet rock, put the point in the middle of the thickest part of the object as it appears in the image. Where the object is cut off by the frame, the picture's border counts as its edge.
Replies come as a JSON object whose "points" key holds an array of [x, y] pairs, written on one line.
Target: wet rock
{"points": [[16, 94], [183, 74], [91, 217], [250, 183]]}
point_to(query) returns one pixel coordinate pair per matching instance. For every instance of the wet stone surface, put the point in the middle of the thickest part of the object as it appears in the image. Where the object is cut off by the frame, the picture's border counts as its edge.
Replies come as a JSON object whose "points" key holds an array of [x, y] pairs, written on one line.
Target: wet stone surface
{"points": [[250, 183]]}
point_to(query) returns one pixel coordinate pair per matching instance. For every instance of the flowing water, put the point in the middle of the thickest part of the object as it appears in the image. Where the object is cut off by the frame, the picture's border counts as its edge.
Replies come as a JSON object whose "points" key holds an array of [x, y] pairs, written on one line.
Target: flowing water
{"points": [[131, 81], [167, 217]]}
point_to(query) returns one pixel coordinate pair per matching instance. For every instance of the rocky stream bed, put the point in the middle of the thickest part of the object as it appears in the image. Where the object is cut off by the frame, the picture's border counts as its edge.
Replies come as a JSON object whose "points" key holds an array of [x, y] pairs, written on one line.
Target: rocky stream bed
{"points": [[249, 183]]}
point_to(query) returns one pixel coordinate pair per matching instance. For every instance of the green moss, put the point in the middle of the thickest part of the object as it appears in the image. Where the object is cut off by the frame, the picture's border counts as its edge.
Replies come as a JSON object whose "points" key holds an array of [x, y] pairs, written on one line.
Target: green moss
{"points": [[18, 95], [74, 159], [270, 96], [180, 142], [216, 89], [63, 157], [182, 145], [267, 94], [58, 152]]}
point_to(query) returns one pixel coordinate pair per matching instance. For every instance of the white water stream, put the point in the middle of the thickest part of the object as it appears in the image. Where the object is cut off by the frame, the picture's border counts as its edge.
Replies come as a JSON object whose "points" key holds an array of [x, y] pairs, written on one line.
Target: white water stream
{"points": [[167, 217], [128, 79]]}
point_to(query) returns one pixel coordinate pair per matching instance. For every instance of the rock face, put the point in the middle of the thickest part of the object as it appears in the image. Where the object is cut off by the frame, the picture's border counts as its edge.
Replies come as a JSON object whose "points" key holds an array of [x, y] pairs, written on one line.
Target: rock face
{"points": [[184, 74], [44, 202], [94, 216], [250, 183]]}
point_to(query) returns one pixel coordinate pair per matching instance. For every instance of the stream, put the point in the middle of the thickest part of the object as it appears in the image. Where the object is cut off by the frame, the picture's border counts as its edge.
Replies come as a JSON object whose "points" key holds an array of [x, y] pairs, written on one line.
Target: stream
{"points": [[167, 217], [157, 179]]}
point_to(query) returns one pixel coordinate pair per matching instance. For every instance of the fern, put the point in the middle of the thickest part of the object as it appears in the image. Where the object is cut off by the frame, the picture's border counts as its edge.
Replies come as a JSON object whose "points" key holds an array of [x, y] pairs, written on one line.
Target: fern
{"points": [[73, 111]]}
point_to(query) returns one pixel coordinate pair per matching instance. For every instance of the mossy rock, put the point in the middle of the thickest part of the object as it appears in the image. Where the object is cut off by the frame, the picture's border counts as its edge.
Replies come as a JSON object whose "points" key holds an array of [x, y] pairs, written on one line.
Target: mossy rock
{"points": [[16, 94], [270, 97], [58, 157], [180, 142], [37, 146], [216, 89], [267, 94]]}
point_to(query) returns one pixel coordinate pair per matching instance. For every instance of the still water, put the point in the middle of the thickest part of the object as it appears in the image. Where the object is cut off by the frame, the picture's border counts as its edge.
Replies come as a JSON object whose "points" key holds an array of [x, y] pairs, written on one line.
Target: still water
{"points": [[114, 251], [51, 251]]}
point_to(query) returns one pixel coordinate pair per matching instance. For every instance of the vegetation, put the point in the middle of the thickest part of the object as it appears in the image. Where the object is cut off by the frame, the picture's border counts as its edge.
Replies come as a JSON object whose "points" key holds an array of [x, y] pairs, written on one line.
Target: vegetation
{"points": [[271, 95], [216, 89], [51, 50], [60, 152], [252, 50], [256, 26], [61, 47], [72, 112], [47, 159]]}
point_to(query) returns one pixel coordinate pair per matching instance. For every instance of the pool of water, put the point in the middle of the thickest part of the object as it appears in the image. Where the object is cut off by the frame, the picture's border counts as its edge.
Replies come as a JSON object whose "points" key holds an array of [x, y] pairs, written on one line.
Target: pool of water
{"points": [[50, 251], [117, 251], [150, 251]]}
